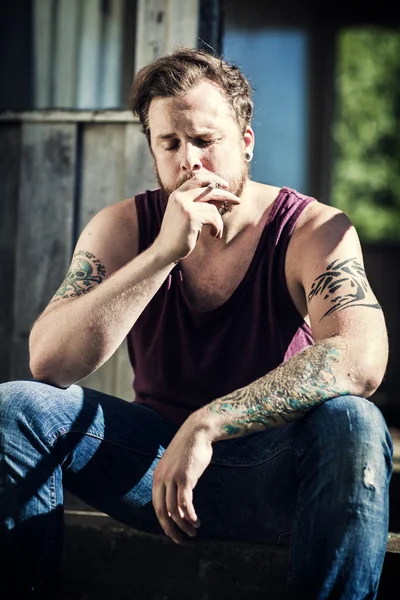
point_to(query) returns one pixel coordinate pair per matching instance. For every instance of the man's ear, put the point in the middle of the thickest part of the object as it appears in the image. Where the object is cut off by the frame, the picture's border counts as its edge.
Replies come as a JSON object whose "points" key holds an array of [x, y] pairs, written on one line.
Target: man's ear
{"points": [[248, 140]]}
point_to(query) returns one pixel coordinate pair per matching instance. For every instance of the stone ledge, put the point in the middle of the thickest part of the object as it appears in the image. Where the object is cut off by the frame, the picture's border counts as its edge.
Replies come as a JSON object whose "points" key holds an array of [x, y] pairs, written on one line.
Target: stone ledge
{"points": [[106, 560]]}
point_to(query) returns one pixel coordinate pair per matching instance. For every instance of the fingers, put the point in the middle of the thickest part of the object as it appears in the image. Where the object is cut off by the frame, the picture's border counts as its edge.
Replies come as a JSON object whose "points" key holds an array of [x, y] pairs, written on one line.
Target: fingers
{"points": [[185, 504], [178, 511], [209, 215], [165, 520], [212, 193], [208, 186], [171, 516], [203, 180]]}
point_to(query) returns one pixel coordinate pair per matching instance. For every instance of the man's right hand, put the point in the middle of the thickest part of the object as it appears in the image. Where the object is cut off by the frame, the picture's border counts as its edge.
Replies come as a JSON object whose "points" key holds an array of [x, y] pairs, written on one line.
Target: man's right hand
{"points": [[188, 209]]}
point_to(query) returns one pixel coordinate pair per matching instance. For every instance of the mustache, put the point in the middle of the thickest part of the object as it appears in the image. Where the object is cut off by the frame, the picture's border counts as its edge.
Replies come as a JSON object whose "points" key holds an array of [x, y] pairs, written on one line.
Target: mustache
{"points": [[185, 178]]}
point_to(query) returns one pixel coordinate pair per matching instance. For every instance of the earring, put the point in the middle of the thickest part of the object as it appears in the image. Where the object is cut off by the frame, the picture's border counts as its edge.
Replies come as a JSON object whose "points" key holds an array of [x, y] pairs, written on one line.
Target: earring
{"points": [[248, 156]]}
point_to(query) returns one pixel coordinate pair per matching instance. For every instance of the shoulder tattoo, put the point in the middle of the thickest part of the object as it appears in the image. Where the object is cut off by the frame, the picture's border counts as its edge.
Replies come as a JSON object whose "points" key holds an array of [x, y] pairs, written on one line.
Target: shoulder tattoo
{"points": [[343, 284]]}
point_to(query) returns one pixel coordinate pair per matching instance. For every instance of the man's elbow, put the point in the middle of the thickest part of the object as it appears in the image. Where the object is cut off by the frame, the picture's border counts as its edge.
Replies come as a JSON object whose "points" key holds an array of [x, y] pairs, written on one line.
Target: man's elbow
{"points": [[370, 376], [44, 374]]}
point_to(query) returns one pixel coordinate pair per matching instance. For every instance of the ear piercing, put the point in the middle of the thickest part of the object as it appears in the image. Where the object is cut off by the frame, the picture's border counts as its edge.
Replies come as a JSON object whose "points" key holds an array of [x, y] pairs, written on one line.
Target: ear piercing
{"points": [[248, 156]]}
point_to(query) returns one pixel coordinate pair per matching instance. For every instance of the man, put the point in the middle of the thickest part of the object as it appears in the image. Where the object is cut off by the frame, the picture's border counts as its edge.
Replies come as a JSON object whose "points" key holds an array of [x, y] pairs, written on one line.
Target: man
{"points": [[255, 340]]}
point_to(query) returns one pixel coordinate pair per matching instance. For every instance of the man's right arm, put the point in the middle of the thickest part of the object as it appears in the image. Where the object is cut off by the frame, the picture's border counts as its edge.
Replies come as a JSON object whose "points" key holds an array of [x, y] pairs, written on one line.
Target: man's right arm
{"points": [[79, 331]]}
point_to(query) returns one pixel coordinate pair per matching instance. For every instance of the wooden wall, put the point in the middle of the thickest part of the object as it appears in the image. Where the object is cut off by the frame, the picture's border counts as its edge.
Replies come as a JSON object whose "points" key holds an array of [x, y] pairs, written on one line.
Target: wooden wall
{"points": [[56, 171], [59, 167]]}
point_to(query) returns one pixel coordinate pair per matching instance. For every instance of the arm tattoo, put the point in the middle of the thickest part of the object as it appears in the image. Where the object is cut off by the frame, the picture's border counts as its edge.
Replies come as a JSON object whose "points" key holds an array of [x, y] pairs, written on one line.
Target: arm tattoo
{"points": [[84, 273], [286, 393], [333, 283]]}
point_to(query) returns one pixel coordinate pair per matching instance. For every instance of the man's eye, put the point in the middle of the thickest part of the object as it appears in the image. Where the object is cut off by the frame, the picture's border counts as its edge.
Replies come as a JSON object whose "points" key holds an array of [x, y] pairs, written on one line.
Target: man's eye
{"points": [[205, 142], [172, 147]]}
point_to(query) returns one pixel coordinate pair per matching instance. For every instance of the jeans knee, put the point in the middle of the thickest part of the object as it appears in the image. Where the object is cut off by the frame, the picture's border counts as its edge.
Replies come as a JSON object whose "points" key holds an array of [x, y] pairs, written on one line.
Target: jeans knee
{"points": [[21, 401], [352, 431], [348, 418]]}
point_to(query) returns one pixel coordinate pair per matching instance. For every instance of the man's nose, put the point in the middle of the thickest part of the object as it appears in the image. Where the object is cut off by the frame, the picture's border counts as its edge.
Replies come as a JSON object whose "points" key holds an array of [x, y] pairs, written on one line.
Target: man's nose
{"points": [[191, 158]]}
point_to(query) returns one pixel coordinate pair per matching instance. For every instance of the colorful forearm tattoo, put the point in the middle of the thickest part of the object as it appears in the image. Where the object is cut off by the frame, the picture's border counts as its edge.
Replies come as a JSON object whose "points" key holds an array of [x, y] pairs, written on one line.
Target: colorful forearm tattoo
{"points": [[85, 272], [343, 284], [286, 393]]}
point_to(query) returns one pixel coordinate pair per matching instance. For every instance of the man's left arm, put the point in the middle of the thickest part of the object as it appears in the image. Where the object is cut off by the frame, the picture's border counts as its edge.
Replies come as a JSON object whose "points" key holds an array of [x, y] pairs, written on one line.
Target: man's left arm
{"points": [[350, 353], [349, 357]]}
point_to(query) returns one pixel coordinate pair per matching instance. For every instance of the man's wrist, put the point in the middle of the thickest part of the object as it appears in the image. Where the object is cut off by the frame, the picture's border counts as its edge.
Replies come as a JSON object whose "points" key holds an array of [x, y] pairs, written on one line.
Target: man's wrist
{"points": [[208, 423]]}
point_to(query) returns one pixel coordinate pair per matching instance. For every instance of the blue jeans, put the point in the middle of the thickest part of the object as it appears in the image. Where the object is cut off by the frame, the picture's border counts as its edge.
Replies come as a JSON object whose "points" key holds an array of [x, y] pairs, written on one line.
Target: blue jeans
{"points": [[319, 485]]}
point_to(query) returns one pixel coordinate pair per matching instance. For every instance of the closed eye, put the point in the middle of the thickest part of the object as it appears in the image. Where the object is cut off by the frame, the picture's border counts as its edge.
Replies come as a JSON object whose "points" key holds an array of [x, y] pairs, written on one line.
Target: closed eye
{"points": [[203, 143], [172, 147]]}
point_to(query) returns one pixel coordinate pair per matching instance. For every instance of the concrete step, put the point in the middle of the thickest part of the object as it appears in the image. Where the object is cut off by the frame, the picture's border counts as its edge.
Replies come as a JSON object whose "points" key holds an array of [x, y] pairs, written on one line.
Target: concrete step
{"points": [[106, 560]]}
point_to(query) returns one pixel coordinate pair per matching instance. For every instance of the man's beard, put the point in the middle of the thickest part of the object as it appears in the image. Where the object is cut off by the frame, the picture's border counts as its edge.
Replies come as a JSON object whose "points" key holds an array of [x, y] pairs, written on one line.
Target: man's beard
{"points": [[236, 183]]}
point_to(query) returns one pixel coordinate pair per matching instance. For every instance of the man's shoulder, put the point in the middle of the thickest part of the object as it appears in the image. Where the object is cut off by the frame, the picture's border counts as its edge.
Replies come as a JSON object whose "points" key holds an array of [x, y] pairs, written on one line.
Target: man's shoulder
{"points": [[317, 214], [125, 211]]}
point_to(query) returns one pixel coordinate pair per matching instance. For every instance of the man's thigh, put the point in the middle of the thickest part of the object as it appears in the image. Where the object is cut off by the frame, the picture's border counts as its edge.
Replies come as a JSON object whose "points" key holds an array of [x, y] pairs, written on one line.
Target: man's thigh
{"points": [[109, 454], [258, 485]]}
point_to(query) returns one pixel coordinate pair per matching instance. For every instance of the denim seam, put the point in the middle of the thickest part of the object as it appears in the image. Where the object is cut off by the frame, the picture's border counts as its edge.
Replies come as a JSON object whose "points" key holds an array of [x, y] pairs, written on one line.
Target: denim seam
{"points": [[248, 463], [66, 430]]}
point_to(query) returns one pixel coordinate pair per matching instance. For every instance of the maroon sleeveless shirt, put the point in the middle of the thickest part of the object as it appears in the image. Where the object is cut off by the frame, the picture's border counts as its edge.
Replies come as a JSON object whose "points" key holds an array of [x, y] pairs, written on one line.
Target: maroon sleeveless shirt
{"points": [[182, 358]]}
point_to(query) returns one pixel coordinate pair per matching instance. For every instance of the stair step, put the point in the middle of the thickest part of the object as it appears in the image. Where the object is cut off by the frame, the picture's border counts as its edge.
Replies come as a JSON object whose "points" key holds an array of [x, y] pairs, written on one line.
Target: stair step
{"points": [[105, 559]]}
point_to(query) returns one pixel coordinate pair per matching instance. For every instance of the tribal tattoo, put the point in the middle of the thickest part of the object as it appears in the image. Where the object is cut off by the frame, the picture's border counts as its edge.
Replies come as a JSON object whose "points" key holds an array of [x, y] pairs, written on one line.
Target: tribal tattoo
{"points": [[84, 273], [339, 277], [286, 393]]}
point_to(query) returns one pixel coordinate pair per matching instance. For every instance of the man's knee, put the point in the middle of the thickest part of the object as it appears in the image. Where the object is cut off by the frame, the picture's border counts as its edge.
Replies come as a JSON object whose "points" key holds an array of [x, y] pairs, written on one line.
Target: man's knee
{"points": [[349, 417], [351, 431], [23, 400]]}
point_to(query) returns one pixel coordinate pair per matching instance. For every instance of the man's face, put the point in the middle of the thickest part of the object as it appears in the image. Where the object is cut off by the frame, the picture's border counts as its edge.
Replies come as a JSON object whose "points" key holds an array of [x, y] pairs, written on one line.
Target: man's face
{"points": [[197, 133]]}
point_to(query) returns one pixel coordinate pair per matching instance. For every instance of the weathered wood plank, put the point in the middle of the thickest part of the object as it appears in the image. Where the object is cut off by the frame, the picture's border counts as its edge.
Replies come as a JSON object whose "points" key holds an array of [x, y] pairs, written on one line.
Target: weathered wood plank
{"points": [[69, 116], [89, 55], [65, 55], [112, 59], [43, 54], [183, 23], [103, 164], [163, 25], [10, 144], [46, 201], [140, 173]]}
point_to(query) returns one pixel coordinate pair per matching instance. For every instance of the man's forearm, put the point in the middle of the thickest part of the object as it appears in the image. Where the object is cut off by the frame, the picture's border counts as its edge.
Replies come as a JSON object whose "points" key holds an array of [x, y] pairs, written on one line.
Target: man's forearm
{"points": [[76, 337], [285, 394]]}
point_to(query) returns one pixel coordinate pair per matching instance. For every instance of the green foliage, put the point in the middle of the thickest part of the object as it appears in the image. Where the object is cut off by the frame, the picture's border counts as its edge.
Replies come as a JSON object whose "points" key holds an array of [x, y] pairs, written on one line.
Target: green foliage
{"points": [[366, 174]]}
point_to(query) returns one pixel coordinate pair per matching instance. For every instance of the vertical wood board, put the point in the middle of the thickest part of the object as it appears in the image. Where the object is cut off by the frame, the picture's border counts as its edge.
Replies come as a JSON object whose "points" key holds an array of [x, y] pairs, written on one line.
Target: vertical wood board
{"points": [[65, 53], [140, 172], [42, 52], [112, 56], [103, 169], [46, 204], [89, 55], [10, 144], [162, 26]]}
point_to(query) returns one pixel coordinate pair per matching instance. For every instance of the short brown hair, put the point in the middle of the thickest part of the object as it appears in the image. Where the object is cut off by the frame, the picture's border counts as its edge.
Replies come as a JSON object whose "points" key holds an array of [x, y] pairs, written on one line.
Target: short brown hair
{"points": [[178, 72]]}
